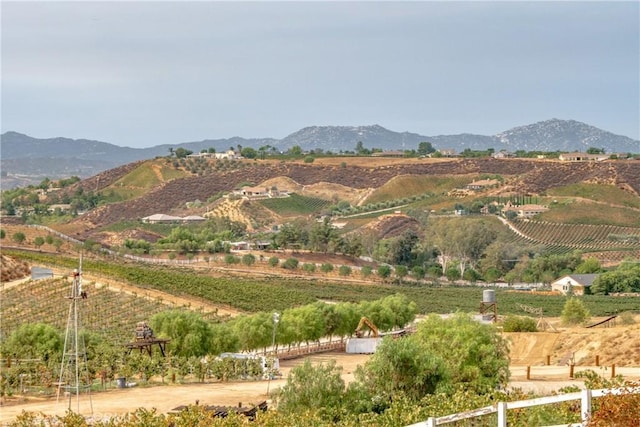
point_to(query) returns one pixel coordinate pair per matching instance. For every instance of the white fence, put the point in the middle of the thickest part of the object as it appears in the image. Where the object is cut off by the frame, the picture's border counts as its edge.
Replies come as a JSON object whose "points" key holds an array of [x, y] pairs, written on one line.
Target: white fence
{"points": [[501, 408]]}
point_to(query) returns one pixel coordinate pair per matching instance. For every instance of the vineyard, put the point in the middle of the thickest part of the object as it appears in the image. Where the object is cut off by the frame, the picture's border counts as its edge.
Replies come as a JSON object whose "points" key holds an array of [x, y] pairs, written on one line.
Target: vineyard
{"points": [[295, 204], [278, 293], [411, 185], [587, 238], [112, 314], [231, 209]]}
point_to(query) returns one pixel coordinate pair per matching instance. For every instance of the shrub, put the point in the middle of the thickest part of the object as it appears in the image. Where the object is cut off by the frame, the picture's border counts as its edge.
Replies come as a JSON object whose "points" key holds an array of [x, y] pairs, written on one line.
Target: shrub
{"points": [[366, 271], [519, 324], [326, 268], [309, 159], [231, 259], [384, 271], [274, 261], [248, 259], [344, 270], [574, 312], [309, 267], [290, 264], [627, 318]]}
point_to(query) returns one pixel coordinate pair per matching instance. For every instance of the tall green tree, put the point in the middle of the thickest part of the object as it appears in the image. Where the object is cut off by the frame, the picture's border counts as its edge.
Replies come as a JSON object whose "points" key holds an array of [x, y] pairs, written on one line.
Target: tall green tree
{"points": [[190, 334], [34, 340]]}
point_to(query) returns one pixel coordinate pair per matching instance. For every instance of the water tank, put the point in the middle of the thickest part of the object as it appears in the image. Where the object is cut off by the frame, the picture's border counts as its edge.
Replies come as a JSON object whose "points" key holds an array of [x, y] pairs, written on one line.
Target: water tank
{"points": [[489, 296]]}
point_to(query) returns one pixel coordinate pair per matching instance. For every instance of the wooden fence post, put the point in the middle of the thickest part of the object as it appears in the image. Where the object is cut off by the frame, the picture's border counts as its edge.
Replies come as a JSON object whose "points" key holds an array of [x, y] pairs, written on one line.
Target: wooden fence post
{"points": [[597, 360], [613, 370], [528, 372]]}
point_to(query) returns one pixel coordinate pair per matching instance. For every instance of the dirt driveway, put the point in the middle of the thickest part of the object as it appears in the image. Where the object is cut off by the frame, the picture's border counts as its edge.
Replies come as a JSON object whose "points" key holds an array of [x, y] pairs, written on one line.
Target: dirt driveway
{"points": [[544, 380], [165, 398]]}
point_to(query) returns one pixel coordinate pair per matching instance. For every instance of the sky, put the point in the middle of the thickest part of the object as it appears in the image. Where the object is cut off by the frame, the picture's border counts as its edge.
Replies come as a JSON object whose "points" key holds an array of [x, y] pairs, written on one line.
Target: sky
{"points": [[146, 73]]}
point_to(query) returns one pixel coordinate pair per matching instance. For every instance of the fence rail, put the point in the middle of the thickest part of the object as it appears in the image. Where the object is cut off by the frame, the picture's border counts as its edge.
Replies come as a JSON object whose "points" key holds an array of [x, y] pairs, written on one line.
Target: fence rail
{"points": [[501, 408]]}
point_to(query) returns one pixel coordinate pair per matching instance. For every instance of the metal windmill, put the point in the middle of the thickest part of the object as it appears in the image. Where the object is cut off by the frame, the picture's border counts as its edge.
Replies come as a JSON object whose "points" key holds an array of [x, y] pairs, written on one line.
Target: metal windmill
{"points": [[74, 371]]}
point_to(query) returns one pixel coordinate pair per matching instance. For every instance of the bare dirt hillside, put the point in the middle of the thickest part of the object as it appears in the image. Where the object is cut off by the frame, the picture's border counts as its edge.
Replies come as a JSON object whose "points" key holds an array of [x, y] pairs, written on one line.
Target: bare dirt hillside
{"points": [[13, 269]]}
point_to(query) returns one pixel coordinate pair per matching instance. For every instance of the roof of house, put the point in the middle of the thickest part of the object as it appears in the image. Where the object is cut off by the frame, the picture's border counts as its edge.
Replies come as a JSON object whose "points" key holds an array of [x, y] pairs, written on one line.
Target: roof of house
{"points": [[162, 217], [582, 279]]}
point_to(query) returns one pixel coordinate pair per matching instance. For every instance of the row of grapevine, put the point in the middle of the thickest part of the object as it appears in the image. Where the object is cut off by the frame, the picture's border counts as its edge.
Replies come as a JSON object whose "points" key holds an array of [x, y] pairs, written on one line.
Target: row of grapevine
{"points": [[577, 236]]}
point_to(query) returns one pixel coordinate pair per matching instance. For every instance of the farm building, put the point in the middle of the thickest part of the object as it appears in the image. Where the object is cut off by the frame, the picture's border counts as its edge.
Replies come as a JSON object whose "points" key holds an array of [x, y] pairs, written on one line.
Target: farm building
{"points": [[574, 284], [161, 219], [524, 211], [482, 184], [582, 157]]}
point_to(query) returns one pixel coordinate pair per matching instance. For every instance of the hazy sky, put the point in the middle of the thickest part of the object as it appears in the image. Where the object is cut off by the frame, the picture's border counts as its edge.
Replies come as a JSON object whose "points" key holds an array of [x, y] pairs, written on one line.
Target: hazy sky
{"points": [[145, 73]]}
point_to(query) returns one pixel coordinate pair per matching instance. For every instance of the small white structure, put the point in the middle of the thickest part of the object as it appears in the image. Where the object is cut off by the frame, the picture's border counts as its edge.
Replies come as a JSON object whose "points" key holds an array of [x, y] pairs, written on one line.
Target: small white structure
{"points": [[573, 284], [363, 345], [161, 219]]}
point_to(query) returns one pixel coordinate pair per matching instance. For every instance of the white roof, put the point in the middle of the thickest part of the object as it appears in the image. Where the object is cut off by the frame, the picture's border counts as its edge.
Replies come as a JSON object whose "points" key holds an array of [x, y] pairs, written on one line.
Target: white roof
{"points": [[193, 218], [162, 217]]}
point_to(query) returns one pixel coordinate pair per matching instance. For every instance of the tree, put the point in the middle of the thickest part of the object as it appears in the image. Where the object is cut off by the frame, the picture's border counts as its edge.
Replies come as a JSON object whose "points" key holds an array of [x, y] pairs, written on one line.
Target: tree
{"points": [[19, 237], [312, 388], [190, 334], [181, 153], [384, 271], [248, 259], [38, 241], [405, 366], [476, 355], [626, 278], [295, 151], [574, 312], [2, 233], [425, 148], [249, 153], [34, 340]]}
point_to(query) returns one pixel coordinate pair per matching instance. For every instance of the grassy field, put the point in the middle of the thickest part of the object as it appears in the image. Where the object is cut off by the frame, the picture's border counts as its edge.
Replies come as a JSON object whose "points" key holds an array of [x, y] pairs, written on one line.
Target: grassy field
{"points": [[580, 211], [410, 185], [143, 178], [600, 193]]}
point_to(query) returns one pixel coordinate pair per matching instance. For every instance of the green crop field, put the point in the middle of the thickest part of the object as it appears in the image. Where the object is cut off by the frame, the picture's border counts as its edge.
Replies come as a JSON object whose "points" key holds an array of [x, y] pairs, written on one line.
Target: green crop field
{"points": [[279, 293], [295, 204]]}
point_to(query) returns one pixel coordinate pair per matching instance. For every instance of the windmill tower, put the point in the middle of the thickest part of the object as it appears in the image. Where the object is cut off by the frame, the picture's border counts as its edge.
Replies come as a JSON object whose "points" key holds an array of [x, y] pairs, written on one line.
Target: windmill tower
{"points": [[74, 371]]}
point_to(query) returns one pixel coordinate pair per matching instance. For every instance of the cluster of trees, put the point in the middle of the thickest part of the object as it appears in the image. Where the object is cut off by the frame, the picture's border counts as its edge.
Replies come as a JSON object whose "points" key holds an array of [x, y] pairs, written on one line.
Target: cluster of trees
{"points": [[195, 342], [443, 358], [192, 336], [626, 278]]}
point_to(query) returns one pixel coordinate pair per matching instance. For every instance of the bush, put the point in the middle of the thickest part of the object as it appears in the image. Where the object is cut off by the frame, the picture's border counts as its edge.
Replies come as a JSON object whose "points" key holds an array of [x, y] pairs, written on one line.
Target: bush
{"points": [[309, 267], [274, 261], [290, 264], [519, 324], [248, 259], [326, 268], [344, 270], [366, 271], [627, 318], [231, 259], [309, 159], [574, 312]]}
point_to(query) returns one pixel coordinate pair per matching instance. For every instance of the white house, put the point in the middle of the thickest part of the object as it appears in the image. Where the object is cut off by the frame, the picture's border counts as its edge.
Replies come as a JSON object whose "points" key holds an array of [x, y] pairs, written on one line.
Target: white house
{"points": [[573, 284]]}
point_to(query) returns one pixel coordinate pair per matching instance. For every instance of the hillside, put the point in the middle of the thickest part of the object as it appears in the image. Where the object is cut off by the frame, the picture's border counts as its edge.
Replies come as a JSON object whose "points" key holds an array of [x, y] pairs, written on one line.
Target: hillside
{"points": [[521, 176], [28, 160]]}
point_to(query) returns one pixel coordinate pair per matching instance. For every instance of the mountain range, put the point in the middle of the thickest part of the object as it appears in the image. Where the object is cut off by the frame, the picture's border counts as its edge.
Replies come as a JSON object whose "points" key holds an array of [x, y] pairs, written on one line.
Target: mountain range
{"points": [[33, 158]]}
